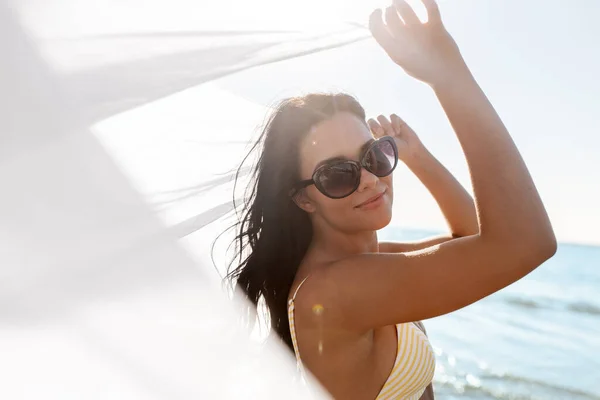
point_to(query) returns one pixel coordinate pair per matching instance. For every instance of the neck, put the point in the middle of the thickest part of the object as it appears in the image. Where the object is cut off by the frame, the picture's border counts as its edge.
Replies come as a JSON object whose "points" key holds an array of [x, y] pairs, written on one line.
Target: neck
{"points": [[332, 244]]}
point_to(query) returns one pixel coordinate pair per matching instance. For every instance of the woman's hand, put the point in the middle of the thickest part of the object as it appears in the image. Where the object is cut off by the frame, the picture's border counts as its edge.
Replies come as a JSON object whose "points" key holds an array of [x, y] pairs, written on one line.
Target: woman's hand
{"points": [[455, 202], [425, 51], [408, 143]]}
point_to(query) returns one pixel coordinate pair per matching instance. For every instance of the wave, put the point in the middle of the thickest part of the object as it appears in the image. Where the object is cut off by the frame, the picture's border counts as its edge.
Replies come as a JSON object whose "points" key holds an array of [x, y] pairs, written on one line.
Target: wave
{"points": [[477, 381], [584, 308], [578, 307], [524, 303], [505, 387], [533, 383]]}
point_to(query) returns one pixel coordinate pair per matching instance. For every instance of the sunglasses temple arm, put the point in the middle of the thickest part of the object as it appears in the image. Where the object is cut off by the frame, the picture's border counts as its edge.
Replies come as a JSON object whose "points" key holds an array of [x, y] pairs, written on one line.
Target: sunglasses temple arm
{"points": [[301, 185]]}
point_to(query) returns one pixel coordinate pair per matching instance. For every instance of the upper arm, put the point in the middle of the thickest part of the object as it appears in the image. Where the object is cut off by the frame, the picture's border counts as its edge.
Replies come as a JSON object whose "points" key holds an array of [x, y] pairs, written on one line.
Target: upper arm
{"points": [[378, 289], [405, 247]]}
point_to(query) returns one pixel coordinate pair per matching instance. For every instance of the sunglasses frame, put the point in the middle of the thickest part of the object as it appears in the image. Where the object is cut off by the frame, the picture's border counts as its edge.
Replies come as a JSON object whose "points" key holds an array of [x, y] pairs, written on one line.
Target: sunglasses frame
{"points": [[358, 165]]}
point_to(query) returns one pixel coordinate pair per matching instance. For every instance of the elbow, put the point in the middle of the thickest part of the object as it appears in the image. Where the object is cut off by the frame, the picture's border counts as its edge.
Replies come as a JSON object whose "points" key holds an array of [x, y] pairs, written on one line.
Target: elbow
{"points": [[541, 239], [547, 243], [530, 249], [528, 255], [549, 247], [542, 247]]}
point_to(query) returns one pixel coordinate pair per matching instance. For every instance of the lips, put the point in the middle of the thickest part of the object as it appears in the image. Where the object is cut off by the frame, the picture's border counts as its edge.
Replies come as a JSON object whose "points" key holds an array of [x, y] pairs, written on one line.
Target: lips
{"points": [[371, 200]]}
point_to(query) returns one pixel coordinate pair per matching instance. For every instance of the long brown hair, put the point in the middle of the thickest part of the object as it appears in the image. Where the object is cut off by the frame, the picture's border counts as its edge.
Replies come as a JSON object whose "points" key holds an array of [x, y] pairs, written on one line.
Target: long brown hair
{"points": [[273, 234]]}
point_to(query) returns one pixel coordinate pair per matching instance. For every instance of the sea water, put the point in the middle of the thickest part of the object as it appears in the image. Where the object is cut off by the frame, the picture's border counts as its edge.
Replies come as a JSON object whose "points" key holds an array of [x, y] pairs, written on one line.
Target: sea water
{"points": [[539, 338]]}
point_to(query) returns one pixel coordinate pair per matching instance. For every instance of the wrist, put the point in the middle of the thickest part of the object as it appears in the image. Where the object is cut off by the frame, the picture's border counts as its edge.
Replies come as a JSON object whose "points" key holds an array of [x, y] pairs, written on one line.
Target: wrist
{"points": [[455, 78], [426, 167], [417, 157]]}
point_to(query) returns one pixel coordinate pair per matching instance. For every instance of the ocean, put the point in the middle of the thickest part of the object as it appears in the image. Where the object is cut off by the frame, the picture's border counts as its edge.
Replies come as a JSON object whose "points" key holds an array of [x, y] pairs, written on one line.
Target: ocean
{"points": [[538, 338]]}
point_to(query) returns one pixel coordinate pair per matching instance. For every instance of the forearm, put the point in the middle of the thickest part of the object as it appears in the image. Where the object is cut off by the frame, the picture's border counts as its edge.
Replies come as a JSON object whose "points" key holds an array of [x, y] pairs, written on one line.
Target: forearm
{"points": [[508, 204], [455, 202]]}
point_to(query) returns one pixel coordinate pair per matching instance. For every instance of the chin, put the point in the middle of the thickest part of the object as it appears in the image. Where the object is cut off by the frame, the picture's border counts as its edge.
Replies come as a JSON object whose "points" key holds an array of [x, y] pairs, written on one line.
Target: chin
{"points": [[381, 221], [376, 219]]}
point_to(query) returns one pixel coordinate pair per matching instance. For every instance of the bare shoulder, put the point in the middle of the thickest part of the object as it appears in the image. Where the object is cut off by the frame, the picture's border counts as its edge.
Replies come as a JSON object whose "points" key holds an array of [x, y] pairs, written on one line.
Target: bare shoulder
{"points": [[345, 361], [313, 312], [309, 293]]}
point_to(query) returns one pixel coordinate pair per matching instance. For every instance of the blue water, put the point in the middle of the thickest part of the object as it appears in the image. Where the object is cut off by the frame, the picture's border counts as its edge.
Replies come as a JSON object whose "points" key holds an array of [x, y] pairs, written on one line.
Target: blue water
{"points": [[539, 338]]}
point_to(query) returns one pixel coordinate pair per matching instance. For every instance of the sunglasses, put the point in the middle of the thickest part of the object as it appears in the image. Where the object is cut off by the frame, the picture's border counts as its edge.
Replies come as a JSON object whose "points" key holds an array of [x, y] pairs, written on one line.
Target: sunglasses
{"points": [[339, 179]]}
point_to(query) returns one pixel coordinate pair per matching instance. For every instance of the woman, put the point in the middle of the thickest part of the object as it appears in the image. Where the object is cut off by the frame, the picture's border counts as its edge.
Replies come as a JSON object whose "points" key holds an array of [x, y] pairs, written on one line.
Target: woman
{"points": [[344, 301]]}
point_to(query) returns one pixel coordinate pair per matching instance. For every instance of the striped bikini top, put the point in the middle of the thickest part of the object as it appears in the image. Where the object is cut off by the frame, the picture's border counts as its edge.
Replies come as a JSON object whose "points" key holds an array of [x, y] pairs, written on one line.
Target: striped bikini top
{"points": [[414, 365]]}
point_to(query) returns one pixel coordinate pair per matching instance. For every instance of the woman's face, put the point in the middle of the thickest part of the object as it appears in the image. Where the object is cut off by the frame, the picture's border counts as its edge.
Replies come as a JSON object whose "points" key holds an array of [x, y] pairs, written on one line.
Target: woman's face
{"points": [[344, 135]]}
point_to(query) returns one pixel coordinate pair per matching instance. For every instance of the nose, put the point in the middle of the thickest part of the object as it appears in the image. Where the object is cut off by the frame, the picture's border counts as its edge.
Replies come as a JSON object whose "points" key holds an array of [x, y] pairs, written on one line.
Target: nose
{"points": [[367, 180]]}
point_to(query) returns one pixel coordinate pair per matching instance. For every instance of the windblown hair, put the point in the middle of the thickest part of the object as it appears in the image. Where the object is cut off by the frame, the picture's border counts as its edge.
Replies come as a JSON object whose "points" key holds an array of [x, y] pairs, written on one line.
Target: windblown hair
{"points": [[273, 233]]}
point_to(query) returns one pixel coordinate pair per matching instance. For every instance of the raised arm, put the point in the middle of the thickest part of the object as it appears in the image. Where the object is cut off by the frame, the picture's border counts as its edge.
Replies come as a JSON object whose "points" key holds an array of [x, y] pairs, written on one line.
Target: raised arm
{"points": [[371, 290], [454, 201]]}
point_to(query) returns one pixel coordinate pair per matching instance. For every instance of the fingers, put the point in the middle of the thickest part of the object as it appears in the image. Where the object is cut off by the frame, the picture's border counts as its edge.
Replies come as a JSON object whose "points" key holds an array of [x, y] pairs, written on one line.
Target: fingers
{"points": [[375, 128], [386, 125], [397, 123], [395, 126], [393, 21], [406, 12], [433, 11], [379, 31]]}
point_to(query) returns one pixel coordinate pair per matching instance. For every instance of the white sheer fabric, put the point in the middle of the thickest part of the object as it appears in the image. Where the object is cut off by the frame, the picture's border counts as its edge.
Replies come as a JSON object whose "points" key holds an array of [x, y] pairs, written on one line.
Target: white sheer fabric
{"points": [[100, 296]]}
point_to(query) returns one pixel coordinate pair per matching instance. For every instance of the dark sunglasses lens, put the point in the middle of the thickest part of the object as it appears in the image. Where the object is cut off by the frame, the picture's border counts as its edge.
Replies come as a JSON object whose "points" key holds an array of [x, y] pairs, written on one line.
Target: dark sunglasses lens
{"points": [[381, 158], [338, 180]]}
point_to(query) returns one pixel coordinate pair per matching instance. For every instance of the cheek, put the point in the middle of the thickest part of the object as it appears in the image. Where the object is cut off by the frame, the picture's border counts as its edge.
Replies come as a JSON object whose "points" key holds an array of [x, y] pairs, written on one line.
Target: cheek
{"points": [[389, 182], [333, 210], [322, 204], [336, 206]]}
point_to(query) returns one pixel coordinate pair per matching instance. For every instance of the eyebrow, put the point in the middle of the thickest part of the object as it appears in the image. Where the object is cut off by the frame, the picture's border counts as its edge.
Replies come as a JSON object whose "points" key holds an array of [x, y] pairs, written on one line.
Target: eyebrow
{"points": [[343, 158]]}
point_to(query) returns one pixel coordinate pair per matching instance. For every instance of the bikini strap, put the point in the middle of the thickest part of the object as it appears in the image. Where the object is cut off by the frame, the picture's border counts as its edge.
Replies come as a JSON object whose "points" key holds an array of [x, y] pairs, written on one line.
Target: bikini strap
{"points": [[298, 288], [291, 308]]}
